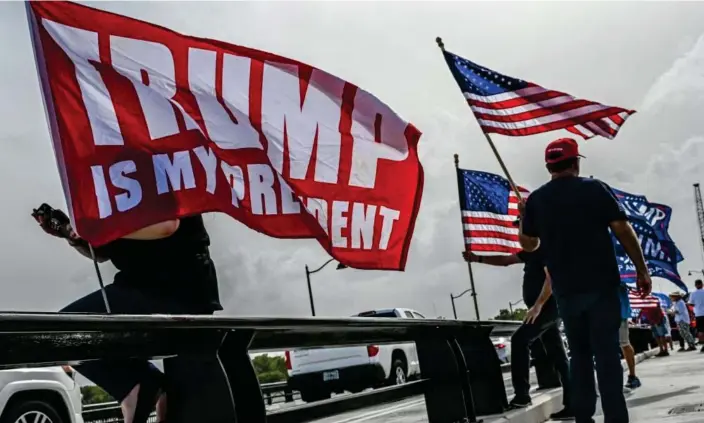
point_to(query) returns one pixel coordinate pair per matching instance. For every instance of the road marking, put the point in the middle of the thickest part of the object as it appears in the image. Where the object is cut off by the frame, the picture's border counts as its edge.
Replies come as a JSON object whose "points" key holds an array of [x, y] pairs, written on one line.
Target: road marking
{"points": [[382, 412]]}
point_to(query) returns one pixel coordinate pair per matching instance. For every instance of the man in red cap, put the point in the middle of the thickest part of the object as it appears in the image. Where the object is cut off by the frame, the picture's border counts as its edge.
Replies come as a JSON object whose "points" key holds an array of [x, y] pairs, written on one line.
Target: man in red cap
{"points": [[569, 218]]}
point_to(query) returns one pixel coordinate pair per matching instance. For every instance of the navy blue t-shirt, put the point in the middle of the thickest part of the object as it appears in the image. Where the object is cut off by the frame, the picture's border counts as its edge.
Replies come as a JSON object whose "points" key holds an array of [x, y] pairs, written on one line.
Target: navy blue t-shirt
{"points": [[178, 266], [533, 280], [571, 216]]}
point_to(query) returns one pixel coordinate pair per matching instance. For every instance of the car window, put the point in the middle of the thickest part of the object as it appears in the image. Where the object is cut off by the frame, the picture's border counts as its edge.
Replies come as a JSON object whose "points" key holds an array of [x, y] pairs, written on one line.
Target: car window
{"points": [[378, 314], [418, 315], [408, 314]]}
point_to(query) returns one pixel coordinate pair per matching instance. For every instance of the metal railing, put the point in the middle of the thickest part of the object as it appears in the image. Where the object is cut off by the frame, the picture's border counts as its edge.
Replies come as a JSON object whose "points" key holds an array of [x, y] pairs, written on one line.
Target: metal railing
{"points": [[462, 376]]}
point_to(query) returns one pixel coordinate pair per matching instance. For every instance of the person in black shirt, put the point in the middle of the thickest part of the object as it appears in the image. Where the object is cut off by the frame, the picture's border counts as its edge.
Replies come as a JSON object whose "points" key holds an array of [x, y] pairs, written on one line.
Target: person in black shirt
{"points": [[569, 218], [542, 322], [163, 268]]}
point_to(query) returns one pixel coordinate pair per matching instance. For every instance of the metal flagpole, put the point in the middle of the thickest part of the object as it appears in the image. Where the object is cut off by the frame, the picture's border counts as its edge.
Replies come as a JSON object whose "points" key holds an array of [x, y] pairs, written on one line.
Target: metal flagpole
{"points": [[514, 187], [469, 263], [100, 279]]}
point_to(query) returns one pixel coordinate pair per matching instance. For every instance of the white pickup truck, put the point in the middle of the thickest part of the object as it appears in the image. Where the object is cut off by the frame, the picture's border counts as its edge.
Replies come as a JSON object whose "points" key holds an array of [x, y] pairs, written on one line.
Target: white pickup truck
{"points": [[40, 395], [318, 372]]}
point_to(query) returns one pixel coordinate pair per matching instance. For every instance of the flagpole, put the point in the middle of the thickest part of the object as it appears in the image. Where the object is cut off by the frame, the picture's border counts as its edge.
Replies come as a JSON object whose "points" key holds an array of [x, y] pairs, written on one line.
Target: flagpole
{"points": [[469, 263], [514, 187]]}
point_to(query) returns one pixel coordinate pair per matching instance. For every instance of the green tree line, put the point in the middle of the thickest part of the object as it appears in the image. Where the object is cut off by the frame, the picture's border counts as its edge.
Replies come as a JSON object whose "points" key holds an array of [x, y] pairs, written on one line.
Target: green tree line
{"points": [[505, 314]]}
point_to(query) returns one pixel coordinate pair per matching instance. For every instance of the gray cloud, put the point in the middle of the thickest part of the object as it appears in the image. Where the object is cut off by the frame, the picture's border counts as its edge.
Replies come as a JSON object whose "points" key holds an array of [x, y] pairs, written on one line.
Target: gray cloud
{"points": [[647, 56]]}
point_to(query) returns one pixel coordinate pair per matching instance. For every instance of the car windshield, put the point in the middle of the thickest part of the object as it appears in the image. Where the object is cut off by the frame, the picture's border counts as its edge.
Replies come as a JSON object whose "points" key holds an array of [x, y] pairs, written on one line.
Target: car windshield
{"points": [[389, 313]]}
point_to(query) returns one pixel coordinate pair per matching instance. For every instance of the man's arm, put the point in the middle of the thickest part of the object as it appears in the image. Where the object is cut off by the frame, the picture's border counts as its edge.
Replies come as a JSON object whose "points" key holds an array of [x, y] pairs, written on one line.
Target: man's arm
{"points": [[611, 212], [84, 249], [527, 234], [544, 296], [546, 292], [528, 243], [497, 260]]}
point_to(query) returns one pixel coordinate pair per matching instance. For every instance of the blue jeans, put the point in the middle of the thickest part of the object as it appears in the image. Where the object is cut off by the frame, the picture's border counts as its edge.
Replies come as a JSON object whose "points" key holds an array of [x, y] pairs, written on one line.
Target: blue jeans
{"points": [[659, 331], [546, 329], [592, 323]]}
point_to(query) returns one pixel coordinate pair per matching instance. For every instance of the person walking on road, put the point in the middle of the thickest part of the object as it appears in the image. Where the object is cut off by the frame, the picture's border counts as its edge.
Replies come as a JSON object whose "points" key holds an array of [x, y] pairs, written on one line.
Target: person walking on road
{"points": [[656, 318], [682, 321], [571, 219], [696, 298], [624, 340], [542, 322]]}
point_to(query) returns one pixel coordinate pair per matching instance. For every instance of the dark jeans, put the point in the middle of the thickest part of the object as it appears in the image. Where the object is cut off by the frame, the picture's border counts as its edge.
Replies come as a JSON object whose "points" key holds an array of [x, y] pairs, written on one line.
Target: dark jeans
{"points": [[546, 329], [592, 324], [119, 377]]}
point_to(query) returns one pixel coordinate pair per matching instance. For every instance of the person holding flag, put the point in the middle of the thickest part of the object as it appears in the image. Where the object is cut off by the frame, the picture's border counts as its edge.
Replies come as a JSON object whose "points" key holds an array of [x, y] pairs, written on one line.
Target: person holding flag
{"points": [[542, 322], [164, 268], [570, 218]]}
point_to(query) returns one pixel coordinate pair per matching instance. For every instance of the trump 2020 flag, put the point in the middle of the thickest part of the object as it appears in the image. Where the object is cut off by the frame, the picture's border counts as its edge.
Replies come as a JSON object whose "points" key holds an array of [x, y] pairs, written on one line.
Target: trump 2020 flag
{"points": [[149, 125], [650, 221]]}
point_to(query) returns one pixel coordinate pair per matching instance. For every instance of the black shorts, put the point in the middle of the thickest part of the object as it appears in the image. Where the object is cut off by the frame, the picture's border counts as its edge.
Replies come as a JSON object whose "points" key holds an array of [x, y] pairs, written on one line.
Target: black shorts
{"points": [[700, 324]]}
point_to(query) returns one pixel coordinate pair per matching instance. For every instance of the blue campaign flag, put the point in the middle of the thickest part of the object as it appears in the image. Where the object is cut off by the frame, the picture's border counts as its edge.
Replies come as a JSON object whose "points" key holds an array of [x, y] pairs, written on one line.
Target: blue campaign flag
{"points": [[655, 216], [657, 269], [654, 247], [665, 301], [651, 222]]}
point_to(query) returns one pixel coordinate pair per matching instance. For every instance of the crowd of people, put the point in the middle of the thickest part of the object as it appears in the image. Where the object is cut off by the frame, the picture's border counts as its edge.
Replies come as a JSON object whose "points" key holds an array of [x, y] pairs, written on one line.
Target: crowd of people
{"points": [[685, 317], [571, 276]]}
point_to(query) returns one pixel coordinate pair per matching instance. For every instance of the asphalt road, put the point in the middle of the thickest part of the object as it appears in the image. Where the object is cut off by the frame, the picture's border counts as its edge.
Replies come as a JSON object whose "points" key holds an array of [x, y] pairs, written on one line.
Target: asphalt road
{"points": [[410, 410]]}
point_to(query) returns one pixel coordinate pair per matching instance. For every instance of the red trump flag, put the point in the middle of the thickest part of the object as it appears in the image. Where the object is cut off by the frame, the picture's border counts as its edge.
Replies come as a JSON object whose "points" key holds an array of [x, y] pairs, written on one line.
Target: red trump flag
{"points": [[148, 125]]}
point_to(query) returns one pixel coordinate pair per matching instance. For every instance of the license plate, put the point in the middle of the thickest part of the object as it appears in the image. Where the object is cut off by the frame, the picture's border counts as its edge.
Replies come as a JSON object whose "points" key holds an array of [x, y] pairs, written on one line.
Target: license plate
{"points": [[333, 375]]}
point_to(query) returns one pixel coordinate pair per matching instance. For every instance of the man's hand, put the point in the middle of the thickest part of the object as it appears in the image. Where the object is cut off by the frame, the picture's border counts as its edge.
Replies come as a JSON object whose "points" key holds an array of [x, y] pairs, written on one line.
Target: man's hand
{"points": [[644, 283], [53, 221], [470, 256], [533, 313], [521, 206]]}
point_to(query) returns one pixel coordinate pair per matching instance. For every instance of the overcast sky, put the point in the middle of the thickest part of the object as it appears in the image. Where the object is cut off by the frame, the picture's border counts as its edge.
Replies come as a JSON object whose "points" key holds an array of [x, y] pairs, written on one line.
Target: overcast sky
{"points": [[646, 56]]}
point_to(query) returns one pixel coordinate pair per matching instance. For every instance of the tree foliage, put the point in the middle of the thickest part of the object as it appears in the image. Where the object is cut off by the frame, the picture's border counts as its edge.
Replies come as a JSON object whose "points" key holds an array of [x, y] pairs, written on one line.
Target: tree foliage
{"points": [[95, 395], [505, 314], [270, 369]]}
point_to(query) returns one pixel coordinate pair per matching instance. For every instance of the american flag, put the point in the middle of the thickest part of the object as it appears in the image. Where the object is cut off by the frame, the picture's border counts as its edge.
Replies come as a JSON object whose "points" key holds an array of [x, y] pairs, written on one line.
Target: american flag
{"points": [[489, 210], [510, 106], [650, 301]]}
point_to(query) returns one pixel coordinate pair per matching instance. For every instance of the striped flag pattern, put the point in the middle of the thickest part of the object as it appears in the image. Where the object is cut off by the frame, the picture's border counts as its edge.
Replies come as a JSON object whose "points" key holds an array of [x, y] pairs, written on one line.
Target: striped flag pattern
{"points": [[489, 212], [650, 301], [514, 107]]}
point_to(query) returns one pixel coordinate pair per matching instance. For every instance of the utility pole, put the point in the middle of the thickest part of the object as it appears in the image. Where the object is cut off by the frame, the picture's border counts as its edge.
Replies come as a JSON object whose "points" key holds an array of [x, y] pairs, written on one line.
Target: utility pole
{"points": [[700, 215], [454, 297], [510, 305], [309, 272]]}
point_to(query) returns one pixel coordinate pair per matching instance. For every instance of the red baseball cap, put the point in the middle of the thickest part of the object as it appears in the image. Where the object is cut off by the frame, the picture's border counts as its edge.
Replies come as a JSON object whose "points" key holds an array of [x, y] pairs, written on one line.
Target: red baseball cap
{"points": [[561, 149]]}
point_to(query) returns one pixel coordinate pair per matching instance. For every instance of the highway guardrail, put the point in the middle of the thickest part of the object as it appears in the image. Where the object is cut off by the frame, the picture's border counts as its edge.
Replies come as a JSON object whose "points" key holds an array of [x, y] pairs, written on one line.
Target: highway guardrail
{"points": [[462, 375]]}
